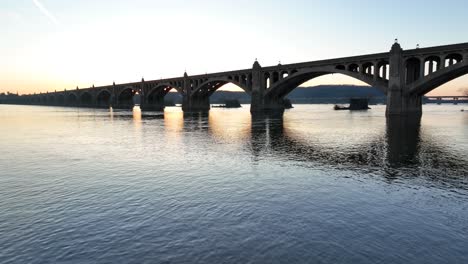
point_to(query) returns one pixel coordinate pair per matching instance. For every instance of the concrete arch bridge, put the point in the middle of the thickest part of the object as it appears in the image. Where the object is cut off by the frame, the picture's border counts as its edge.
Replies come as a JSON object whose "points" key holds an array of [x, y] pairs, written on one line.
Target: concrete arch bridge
{"points": [[403, 75]]}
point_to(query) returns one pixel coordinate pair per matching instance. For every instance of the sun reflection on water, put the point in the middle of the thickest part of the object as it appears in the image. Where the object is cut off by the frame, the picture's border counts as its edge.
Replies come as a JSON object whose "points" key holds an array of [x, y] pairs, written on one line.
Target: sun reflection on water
{"points": [[173, 121], [221, 125]]}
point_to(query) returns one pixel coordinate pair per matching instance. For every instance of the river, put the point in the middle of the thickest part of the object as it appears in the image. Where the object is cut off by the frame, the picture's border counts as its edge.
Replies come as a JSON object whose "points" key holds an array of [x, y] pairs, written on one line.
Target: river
{"points": [[315, 186]]}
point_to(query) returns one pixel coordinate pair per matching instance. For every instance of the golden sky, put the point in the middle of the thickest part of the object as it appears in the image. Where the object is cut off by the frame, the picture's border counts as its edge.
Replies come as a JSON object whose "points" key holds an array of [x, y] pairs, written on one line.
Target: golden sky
{"points": [[52, 45]]}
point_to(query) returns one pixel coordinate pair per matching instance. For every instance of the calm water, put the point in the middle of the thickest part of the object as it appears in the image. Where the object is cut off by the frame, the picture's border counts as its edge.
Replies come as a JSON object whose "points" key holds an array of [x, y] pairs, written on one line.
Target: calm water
{"points": [[318, 186]]}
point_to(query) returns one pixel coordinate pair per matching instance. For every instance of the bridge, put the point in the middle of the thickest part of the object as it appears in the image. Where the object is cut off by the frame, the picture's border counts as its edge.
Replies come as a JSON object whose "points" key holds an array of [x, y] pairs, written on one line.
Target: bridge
{"points": [[448, 99], [404, 76]]}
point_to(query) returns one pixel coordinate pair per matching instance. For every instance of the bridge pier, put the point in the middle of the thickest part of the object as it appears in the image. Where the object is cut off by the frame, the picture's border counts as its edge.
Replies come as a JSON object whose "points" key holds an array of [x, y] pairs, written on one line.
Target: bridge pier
{"points": [[267, 106], [151, 101], [153, 107], [124, 106], [195, 103], [403, 105], [400, 102], [402, 136], [156, 104], [260, 104], [118, 103]]}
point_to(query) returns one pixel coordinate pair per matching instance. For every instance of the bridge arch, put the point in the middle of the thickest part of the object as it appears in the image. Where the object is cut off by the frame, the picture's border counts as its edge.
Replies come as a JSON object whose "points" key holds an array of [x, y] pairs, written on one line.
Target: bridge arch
{"points": [[51, 99], [341, 67], [36, 99], [431, 64], [412, 70], [383, 69], [60, 99], [72, 99], [287, 85], [208, 87], [86, 99], [353, 67], [155, 97], [164, 86], [267, 79], [452, 59], [438, 78], [368, 68], [125, 97], [103, 98]]}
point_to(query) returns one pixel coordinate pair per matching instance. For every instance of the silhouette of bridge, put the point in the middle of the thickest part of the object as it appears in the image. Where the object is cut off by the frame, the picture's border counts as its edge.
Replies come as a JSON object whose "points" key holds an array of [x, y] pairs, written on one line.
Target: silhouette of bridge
{"points": [[403, 75], [451, 99]]}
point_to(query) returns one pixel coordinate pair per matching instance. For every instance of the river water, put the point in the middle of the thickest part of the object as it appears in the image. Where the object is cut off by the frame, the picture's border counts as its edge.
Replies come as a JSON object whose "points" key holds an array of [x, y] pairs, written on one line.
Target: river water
{"points": [[316, 186]]}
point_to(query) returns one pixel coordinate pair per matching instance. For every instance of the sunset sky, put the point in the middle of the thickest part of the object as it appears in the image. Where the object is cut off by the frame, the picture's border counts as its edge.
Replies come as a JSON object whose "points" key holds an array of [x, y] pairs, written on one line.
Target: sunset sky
{"points": [[51, 45]]}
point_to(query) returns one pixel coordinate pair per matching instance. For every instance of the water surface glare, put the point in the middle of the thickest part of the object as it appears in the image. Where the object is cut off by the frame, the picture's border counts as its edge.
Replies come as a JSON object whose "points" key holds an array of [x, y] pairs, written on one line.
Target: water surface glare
{"points": [[316, 186]]}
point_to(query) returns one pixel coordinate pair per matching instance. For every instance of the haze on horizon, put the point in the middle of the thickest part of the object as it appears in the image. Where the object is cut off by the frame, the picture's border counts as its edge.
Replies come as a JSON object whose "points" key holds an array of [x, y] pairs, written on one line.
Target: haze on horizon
{"points": [[52, 45]]}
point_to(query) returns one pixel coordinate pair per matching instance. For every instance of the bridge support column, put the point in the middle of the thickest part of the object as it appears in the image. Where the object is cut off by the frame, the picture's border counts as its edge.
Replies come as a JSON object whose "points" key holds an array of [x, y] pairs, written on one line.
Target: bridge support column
{"points": [[156, 104], [195, 104], [260, 104], [399, 104], [402, 140], [399, 101], [124, 105], [114, 101], [192, 102], [153, 103]]}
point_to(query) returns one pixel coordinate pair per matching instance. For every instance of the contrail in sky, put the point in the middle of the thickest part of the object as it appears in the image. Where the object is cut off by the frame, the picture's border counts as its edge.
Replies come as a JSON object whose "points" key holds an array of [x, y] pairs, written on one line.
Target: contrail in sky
{"points": [[45, 12]]}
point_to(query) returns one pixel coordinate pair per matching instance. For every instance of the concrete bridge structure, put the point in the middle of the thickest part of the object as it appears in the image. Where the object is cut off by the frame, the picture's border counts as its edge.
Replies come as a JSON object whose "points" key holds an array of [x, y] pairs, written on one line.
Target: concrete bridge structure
{"points": [[451, 99], [403, 75]]}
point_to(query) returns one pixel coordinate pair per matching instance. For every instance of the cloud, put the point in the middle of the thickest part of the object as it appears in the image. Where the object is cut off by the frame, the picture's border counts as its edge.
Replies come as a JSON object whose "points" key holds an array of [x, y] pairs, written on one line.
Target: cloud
{"points": [[46, 12]]}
